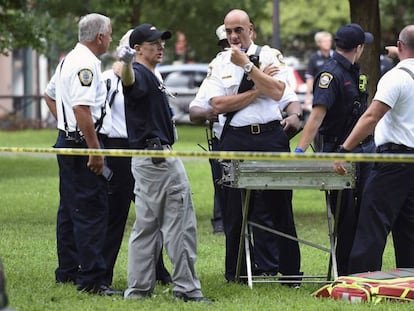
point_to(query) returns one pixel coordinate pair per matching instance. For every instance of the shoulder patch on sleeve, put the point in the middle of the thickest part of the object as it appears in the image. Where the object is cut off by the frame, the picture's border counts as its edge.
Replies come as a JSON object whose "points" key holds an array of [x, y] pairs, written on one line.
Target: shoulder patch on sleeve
{"points": [[324, 80], [209, 70], [85, 77], [281, 58]]}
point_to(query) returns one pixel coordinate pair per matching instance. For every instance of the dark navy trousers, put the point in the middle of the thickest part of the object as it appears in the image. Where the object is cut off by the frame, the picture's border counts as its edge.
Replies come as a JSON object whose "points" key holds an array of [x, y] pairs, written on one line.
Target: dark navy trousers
{"points": [[272, 208], [387, 206], [346, 217], [218, 191], [120, 196], [81, 220]]}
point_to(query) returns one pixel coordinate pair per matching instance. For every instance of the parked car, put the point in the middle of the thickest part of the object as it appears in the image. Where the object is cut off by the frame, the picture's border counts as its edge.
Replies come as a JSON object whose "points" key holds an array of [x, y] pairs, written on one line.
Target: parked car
{"points": [[183, 81]]}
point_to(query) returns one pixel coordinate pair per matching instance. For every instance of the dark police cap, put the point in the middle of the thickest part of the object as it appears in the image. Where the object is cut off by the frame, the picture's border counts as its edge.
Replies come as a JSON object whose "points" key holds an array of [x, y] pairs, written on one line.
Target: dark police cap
{"points": [[351, 35], [147, 33]]}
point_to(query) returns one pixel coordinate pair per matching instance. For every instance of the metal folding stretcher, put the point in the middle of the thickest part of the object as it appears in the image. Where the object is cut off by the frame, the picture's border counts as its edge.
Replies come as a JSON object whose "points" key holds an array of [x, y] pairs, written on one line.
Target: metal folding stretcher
{"points": [[266, 175]]}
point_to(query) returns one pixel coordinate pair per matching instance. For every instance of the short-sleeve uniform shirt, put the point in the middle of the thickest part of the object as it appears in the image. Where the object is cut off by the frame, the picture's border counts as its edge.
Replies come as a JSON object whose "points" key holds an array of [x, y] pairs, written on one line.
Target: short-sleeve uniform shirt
{"points": [[78, 81], [396, 89], [224, 79]]}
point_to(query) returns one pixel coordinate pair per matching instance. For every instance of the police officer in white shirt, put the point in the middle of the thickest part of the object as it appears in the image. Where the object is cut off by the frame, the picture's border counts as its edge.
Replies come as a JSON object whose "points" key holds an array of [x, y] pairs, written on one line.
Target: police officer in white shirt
{"points": [[388, 201], [255, 126], [200, 112], [76, 96]]}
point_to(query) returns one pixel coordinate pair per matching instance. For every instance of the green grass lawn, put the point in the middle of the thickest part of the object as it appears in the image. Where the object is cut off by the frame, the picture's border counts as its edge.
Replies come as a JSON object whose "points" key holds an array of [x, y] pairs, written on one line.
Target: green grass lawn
{"points": [[28, 205]]}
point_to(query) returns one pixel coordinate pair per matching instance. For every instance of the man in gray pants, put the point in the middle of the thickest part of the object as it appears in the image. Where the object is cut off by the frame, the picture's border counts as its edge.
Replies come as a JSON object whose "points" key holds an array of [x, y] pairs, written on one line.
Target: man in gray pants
{"points": [[163, 204]]}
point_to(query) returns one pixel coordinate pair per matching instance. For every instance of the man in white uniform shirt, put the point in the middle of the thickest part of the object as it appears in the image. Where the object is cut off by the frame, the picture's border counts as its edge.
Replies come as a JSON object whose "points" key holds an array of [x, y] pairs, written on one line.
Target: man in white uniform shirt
{"points": [[388, 201], [255, 126], [76, 96]]}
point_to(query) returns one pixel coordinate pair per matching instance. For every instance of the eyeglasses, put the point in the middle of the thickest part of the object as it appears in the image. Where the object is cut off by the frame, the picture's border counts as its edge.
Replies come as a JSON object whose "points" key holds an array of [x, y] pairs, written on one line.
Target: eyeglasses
{"points": [[158, 42]]}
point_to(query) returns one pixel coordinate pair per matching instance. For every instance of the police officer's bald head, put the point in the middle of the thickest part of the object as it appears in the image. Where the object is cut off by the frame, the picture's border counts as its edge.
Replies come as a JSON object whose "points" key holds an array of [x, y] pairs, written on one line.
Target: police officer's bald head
{"points": [[235, 14], [238, 28], [406, 37]]}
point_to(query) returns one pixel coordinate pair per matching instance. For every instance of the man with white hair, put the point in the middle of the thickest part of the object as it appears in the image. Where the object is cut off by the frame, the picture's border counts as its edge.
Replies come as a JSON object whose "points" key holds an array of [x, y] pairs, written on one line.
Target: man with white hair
{"points": [[76, 96]]}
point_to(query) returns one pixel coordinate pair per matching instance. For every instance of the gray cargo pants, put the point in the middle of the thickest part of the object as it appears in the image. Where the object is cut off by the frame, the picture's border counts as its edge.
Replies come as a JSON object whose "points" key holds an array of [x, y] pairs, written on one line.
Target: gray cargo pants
{"points": [[164, 214]]}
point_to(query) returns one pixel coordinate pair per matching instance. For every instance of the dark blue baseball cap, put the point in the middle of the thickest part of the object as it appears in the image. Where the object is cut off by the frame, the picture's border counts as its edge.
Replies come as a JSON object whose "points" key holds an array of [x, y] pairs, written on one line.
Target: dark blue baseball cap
{"points": [[351, 35], [147, 33]]}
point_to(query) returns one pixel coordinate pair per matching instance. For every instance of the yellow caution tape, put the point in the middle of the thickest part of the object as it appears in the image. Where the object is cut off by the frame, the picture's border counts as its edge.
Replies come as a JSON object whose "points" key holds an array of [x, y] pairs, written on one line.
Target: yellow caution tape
{"points": [[230, 155]]}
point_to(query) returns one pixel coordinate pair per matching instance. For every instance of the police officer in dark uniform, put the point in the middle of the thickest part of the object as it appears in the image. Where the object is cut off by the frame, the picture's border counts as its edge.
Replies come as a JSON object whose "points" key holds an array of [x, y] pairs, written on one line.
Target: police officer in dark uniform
{"points": [[163, 204], [340, 98], [323, 40], [121, 185]]}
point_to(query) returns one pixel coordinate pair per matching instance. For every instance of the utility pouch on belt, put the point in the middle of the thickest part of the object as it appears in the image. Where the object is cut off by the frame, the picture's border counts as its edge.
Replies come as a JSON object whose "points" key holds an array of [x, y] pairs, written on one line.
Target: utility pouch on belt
{"points": [[155, 144], [76, 138]]}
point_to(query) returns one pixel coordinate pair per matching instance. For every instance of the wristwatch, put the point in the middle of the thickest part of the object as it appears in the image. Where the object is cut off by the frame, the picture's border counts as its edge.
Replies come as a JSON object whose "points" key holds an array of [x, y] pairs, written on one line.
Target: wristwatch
{"points": [[248, 67]]}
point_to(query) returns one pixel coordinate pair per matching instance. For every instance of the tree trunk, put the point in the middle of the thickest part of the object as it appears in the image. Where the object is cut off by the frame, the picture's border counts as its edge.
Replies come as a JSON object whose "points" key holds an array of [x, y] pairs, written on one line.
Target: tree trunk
{"points": [[366, 14]]}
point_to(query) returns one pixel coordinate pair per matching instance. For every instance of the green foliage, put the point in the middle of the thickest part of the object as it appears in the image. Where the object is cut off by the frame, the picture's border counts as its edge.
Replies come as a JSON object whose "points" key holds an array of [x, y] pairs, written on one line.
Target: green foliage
{"points": [[51, 26], [21, 27], [395, 14], [300, 19]]}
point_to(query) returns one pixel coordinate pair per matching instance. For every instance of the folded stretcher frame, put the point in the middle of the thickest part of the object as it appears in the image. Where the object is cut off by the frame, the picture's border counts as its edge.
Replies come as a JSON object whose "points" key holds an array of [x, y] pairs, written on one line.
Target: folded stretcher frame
{"points": [[285, 175]]}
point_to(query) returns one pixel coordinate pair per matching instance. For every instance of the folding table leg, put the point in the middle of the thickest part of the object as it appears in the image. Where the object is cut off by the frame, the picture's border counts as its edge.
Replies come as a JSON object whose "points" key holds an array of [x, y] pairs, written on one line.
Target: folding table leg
{"points": [[244, 240], [332, 237]]}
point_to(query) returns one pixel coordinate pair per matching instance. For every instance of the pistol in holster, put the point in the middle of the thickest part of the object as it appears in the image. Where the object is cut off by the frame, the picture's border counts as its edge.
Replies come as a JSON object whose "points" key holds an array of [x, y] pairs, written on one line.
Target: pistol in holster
{"points": [[155, 144]]}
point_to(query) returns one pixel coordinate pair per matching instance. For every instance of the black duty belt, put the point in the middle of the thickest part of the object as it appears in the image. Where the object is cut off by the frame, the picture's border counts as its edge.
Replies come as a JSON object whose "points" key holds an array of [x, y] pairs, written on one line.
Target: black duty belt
{"points": [[391, 147], [76, 135], [257, 128], [116, 142]]}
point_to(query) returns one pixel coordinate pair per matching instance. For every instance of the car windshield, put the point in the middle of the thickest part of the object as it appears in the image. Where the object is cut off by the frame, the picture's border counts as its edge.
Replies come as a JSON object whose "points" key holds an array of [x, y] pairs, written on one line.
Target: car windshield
{"points": [[178, 79]]}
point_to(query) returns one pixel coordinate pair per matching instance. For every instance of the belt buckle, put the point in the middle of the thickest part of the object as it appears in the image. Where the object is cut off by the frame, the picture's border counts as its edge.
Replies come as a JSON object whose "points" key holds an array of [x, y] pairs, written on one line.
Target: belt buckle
{"points": [[255, 128]]}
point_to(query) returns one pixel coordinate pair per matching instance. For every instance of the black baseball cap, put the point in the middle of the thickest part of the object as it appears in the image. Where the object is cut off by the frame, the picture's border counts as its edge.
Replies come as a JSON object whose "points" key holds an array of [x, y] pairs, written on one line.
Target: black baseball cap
{"points": [[147, 33], [351, 35]]}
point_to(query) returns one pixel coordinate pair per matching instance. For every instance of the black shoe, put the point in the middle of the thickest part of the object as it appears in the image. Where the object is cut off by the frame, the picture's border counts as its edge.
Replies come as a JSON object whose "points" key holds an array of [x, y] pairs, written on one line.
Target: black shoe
{"points": [[164, 280], [186, 298], [292, 281], [3, 296], [265, 274], [218, 229], [162, 275], [63, 279], [103, 290]]}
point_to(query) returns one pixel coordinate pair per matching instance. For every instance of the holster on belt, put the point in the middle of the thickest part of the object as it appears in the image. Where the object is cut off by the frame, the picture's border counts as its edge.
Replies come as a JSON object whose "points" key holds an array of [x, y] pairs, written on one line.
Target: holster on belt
{"points": [[155, 144]]}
